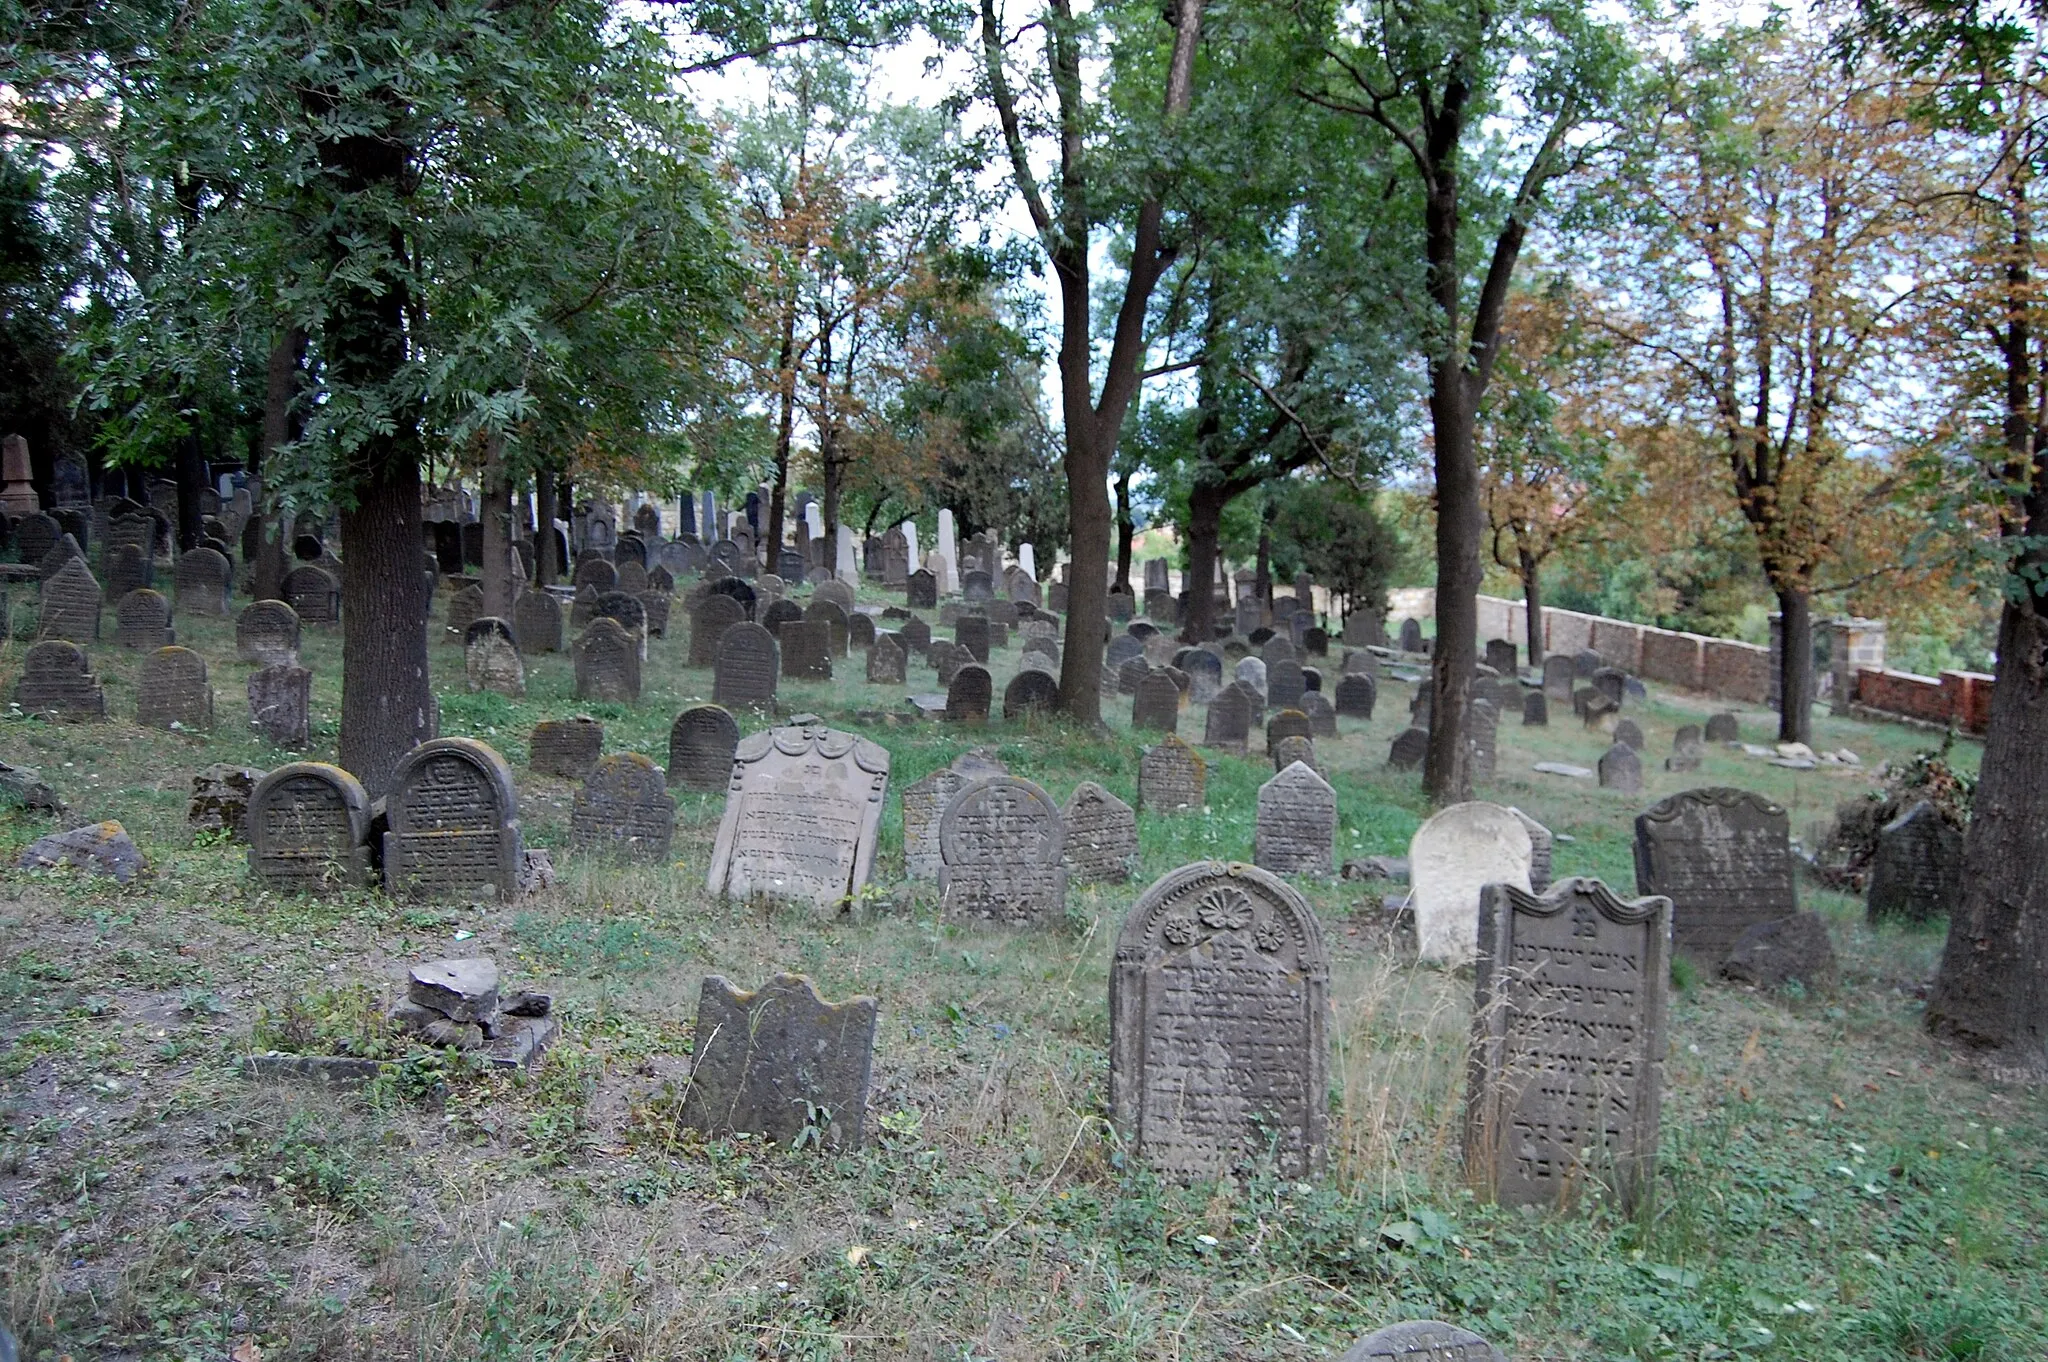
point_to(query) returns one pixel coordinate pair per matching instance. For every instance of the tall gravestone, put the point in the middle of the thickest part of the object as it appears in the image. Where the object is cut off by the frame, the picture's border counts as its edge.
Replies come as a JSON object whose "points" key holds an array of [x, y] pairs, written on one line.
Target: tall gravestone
{"points": [[802, 807], [1102, 836], [1451, 858], [1724, 859], [309, 828], [281, 702], [709, 619], [142, 621], [490, 658], [1568, 1043], [1156, 706], [1219, 1025], [780, 1063], [71, 602], [56, 681], [172, 690], [1296, 831], [1917, 873], [203, 579], [453, 820], [701, 744], [607, 664], [1172, 778], [969, 694], [537, 616], [1228, 722], [624, 808], [1001, 842]]}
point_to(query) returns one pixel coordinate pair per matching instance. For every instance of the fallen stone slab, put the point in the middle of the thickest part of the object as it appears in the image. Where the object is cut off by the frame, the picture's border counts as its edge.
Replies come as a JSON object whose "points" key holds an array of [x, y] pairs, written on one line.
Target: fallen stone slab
{"points": [[1563, 768], [104, 848]]}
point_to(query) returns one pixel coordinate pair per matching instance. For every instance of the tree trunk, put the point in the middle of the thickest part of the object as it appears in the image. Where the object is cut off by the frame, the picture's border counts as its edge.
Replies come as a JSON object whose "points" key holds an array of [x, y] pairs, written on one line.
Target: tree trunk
{"points": [[545, 568], [1262, 565], [190, 468], [280, 426], [1087, 465], [1459, 519], [1205, 528], [496, 576], [786, 396], [1795, 666], [1125, 532], [1532, 603]]}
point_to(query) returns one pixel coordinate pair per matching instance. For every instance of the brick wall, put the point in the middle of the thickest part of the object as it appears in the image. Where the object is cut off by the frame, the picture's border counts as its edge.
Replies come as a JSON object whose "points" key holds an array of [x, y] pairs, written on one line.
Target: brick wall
{"points": [[1675, 659]]}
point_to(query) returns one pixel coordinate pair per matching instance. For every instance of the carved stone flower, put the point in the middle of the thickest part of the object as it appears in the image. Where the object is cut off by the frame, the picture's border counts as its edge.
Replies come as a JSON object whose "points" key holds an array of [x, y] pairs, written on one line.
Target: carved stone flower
{"points": [[1179, 929], [1225, 909], [1267, 936]]}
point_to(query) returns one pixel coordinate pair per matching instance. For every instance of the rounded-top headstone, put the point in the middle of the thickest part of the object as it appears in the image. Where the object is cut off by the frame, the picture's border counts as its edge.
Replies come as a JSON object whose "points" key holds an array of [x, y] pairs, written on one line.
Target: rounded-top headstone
{"points": [[1458, 851], [1423, 1340], [701, 744]]}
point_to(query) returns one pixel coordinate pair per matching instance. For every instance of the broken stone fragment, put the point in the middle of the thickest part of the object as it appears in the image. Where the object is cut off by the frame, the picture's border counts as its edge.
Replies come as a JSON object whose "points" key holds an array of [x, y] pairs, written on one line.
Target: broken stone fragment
{"points": [[24, 785], [443, 1033], [524, 1004], [409, 1018], [460, 990], [102, 847]]}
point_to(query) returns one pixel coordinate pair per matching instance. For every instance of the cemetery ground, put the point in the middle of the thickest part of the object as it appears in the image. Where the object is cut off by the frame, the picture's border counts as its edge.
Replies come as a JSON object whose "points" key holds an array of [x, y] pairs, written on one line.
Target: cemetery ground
{"points": [[1832, 1184]]}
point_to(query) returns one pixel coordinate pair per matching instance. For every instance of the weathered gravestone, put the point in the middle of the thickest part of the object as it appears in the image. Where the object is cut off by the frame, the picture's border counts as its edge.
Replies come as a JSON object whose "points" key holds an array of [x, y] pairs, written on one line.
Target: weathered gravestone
{"points": [[1251, 674], [143, 621], [1724, 859], [917, 636], [127, 569], [1228, 724], [1322, 715], [924, 804], [860, 631], [1630, 732], [921, 591], [1291, 749], [1219, 1025], [596, 573], [203, 579], [1205, 675], [1409, 749], [1558, 677], [71, 603], [1288, 723], [1482, 733], [281, 702], [313, 594], [977, 585], [886, 661], [1172, 778], [537, 617], [1102, 836], [632, 578], [806, 647], [568, 748], [969, 694], [627, 612], [35, 535], [172, 690], [1621, 769], [837, 631], [947, 658], [1500, 655], [1422, 1340], [746, 666], [584, 608], [1296, 831], [56, 681], [490, 658], [701, 744], [1723, 728], [63, 551], [1001, 840], [1121, 605], [607, 663], [1917, 873], [1687, 749], [1031, 691], [1156, 707], [1568, 1043], [709, 619], [1356, 696], [972, 634], [778, 614], [1285, 682], [453, 821], [1132, 675], [309, 828], [780, 1063], [1411, 636], [801, 808], [1535, 709], [1451, 857], [624, 808]]}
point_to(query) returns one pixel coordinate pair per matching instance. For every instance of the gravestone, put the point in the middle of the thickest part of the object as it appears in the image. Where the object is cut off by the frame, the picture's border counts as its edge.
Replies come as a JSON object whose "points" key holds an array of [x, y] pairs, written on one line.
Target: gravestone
{"points": [[924, 803], [1296, 832], [860, 631], [537, 619], [607, 664], [624, 808], [740, 591], [1621, 769], [1291, 749], [583, 609], [1156, 706], [281, 703], [1482, 733], [1172, 778], [1288, 723], [1251, 616], [1687, 749], [1411, 636], [1322, 715], [778, 614], [1535, 709], [204, 578], [833, 615], [465, 608], [490, 658], [976, 585], [1102, 836], [1775, 953], [780, 1063], [661, 581], [63, 551], [632, 578], [1724, 859], [1558, 677], [1121, 650], [806, 647], [1001, 840], [309, 828], [1917, 873], [453, 823], [1500, 655], [747, 666], [1205, 675], [172, 690], [314, 594], [56, 681], [886, 662], [267, 632], [709, 619], [1422, 1340], [1630, 732], [1251, 672], [1723, 728], [921, 591], [917, 636], [1219, 1025], [71, 603], [1356, 696], [1120, 605], [1611, 682], [1409, 749], [1229, 721], [568, 748], [1031, 691], [143, 621], [127, 570], [1450, 858], [701, 744], [1542, 842], [972, 633], [1585, 662], [1285, 683], [35, 535], [947, 658], [1359, 662], [1567, 1043], [1315, 641], [969, 694], [625, 611], [595, 573], [801, 808]]}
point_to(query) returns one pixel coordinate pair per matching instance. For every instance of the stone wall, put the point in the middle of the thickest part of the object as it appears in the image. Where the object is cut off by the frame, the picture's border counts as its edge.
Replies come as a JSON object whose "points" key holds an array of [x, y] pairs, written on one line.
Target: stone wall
{"points": [[1959, 698]]}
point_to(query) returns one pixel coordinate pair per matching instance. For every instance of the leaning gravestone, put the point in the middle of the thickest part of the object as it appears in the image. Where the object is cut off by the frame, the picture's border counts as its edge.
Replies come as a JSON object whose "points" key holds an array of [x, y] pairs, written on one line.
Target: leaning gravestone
{"points": [[780, 1063], [143, 621], [924, 803], [624, 808], [1568, 1043], [1451, 857], [1296, 832], [314, 594], [454, 824], [709, 619], [568, 748], [490, 658], [746, 668], [172, 691], [267, 632], [806, 647], [1422, 1340], [1917, 873], [886, 662], [71, 603], [1031, 691], [1172, 778], [281, 703], [969, 694], [56, 681], [1409, 750], [1621, 769], [1156, 706], [1102, 836], [1724, 859], [1356, 696], [309, 828], [607, 663], [1229, 721], [1001, 840], [1219, 1025], [802, 806], [203, 580], [537, 616], [701, 744]]}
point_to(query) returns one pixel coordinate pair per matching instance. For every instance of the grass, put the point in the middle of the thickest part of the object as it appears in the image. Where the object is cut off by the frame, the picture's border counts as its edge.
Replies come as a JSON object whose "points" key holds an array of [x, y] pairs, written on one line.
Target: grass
{"points": [[1833, 1185]]}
